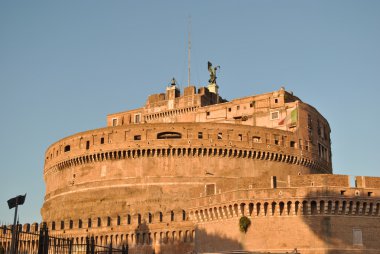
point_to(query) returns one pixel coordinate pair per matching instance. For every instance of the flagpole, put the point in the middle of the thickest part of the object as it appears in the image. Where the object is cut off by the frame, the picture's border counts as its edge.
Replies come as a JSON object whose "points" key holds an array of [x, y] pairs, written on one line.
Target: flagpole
{"points": [[14, 228]]}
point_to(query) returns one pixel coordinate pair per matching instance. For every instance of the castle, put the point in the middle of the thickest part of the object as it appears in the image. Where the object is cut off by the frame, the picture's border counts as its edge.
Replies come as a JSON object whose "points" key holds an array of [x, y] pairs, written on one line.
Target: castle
{"points": [[178, 174]]}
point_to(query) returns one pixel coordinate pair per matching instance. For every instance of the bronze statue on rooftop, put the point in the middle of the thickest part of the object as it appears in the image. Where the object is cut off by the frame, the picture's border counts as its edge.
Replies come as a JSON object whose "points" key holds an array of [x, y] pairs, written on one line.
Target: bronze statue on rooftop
{"points": [[212, 71]]}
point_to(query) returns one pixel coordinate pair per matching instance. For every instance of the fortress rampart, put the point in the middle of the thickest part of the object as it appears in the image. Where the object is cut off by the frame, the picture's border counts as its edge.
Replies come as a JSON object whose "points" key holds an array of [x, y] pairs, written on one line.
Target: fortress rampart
{"points": [[177, 174]]}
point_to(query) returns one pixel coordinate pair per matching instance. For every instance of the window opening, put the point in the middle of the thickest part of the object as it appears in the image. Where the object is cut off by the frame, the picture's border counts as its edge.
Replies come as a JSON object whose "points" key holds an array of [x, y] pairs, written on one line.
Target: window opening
{"points": [[274, 115], [137, 118], [169, 135], [200, 135], [87, 144], [67, 148], [220, 135], [137, 137], [256, 139], [101, 140], [114, 121]]}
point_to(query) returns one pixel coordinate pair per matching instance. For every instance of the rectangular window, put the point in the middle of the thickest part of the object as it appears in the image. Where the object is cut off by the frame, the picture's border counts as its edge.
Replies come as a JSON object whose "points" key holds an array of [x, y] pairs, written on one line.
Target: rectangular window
{"points": [[252, 104], [114, 121], [87, 144], [62, 225], [357, 236], [208, 113], [274, 115], [137, 118], [292, 144], [137, 137], [276, 139], [240, 137], [210, 189], [256, 139], [101, 140], [200, 135], [220, 135]]}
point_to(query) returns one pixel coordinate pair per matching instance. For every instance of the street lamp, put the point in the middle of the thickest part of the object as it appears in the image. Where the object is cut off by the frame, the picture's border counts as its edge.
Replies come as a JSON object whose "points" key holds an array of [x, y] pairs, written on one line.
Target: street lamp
{"points": [[15, 202]]}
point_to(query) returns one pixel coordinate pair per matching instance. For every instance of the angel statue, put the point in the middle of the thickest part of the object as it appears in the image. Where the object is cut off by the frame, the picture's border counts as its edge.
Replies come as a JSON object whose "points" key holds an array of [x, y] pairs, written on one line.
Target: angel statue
{"points": [[212, 71]]}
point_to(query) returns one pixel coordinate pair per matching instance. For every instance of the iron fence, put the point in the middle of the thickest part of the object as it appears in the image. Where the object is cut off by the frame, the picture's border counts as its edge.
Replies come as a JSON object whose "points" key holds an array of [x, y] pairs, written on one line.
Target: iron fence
{"points": [[41, 242]]}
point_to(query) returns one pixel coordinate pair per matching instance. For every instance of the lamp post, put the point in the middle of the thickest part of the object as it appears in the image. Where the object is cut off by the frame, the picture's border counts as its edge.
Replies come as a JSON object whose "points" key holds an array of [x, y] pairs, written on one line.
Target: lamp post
{"points": [[14, 203]]}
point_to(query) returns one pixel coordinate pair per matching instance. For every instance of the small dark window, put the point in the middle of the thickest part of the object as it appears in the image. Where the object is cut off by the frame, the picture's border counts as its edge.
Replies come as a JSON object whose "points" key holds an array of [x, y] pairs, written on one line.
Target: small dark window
{"points": [[292, 144], [200, 135], [369, 194], [276, 142], [171, 216], [220, 136], [109, 221], [150, 218], [229, 109], [129, 219], [62, 224], [53, 225], [208, 113], [160, 216], [342, 192], [183, 215], [89, 224], [80, 224], [118, 220], [137, 137], [139, 219], [67, 148], [275, 100], [240, 137], [99, 222], [87, 145], [71, 224], [101, 140]]}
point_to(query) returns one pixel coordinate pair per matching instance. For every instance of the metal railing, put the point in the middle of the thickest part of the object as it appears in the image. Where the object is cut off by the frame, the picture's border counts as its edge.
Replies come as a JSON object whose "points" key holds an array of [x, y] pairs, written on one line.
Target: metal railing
{"points": [[41, 242]]}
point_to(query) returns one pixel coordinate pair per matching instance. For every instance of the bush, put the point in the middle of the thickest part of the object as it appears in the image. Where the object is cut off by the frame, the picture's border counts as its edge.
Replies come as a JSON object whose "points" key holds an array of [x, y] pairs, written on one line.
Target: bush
{"points": [[244, 223]]}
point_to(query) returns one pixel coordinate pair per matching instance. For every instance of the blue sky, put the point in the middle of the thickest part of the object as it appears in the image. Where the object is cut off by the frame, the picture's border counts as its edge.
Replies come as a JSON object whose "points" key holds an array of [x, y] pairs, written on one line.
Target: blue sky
{"points": [[65, 65]]}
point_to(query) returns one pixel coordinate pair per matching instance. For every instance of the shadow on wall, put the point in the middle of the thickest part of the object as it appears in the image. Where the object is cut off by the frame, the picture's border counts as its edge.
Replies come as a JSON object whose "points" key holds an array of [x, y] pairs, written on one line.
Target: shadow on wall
{"points": [[345, 221], [206, 242], [170, 241], [143, 242]]}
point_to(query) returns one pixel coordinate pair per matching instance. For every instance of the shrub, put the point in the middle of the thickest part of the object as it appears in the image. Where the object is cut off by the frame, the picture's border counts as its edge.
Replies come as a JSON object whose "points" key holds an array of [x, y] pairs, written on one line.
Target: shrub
{"points": [[244, 223]]}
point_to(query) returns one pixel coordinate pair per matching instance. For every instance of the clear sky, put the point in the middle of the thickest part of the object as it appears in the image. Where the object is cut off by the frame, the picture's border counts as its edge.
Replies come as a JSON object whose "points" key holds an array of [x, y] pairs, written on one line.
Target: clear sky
{"points": [[65, 65]]}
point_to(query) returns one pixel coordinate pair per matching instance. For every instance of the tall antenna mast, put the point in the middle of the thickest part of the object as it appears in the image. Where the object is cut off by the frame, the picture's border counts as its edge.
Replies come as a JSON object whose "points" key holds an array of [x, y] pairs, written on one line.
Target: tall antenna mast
{"points": [[189, 53]]}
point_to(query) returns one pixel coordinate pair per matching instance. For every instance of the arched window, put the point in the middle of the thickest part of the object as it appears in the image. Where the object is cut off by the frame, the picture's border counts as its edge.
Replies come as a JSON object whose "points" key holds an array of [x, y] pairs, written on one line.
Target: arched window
{"points": [[168, 135]]}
